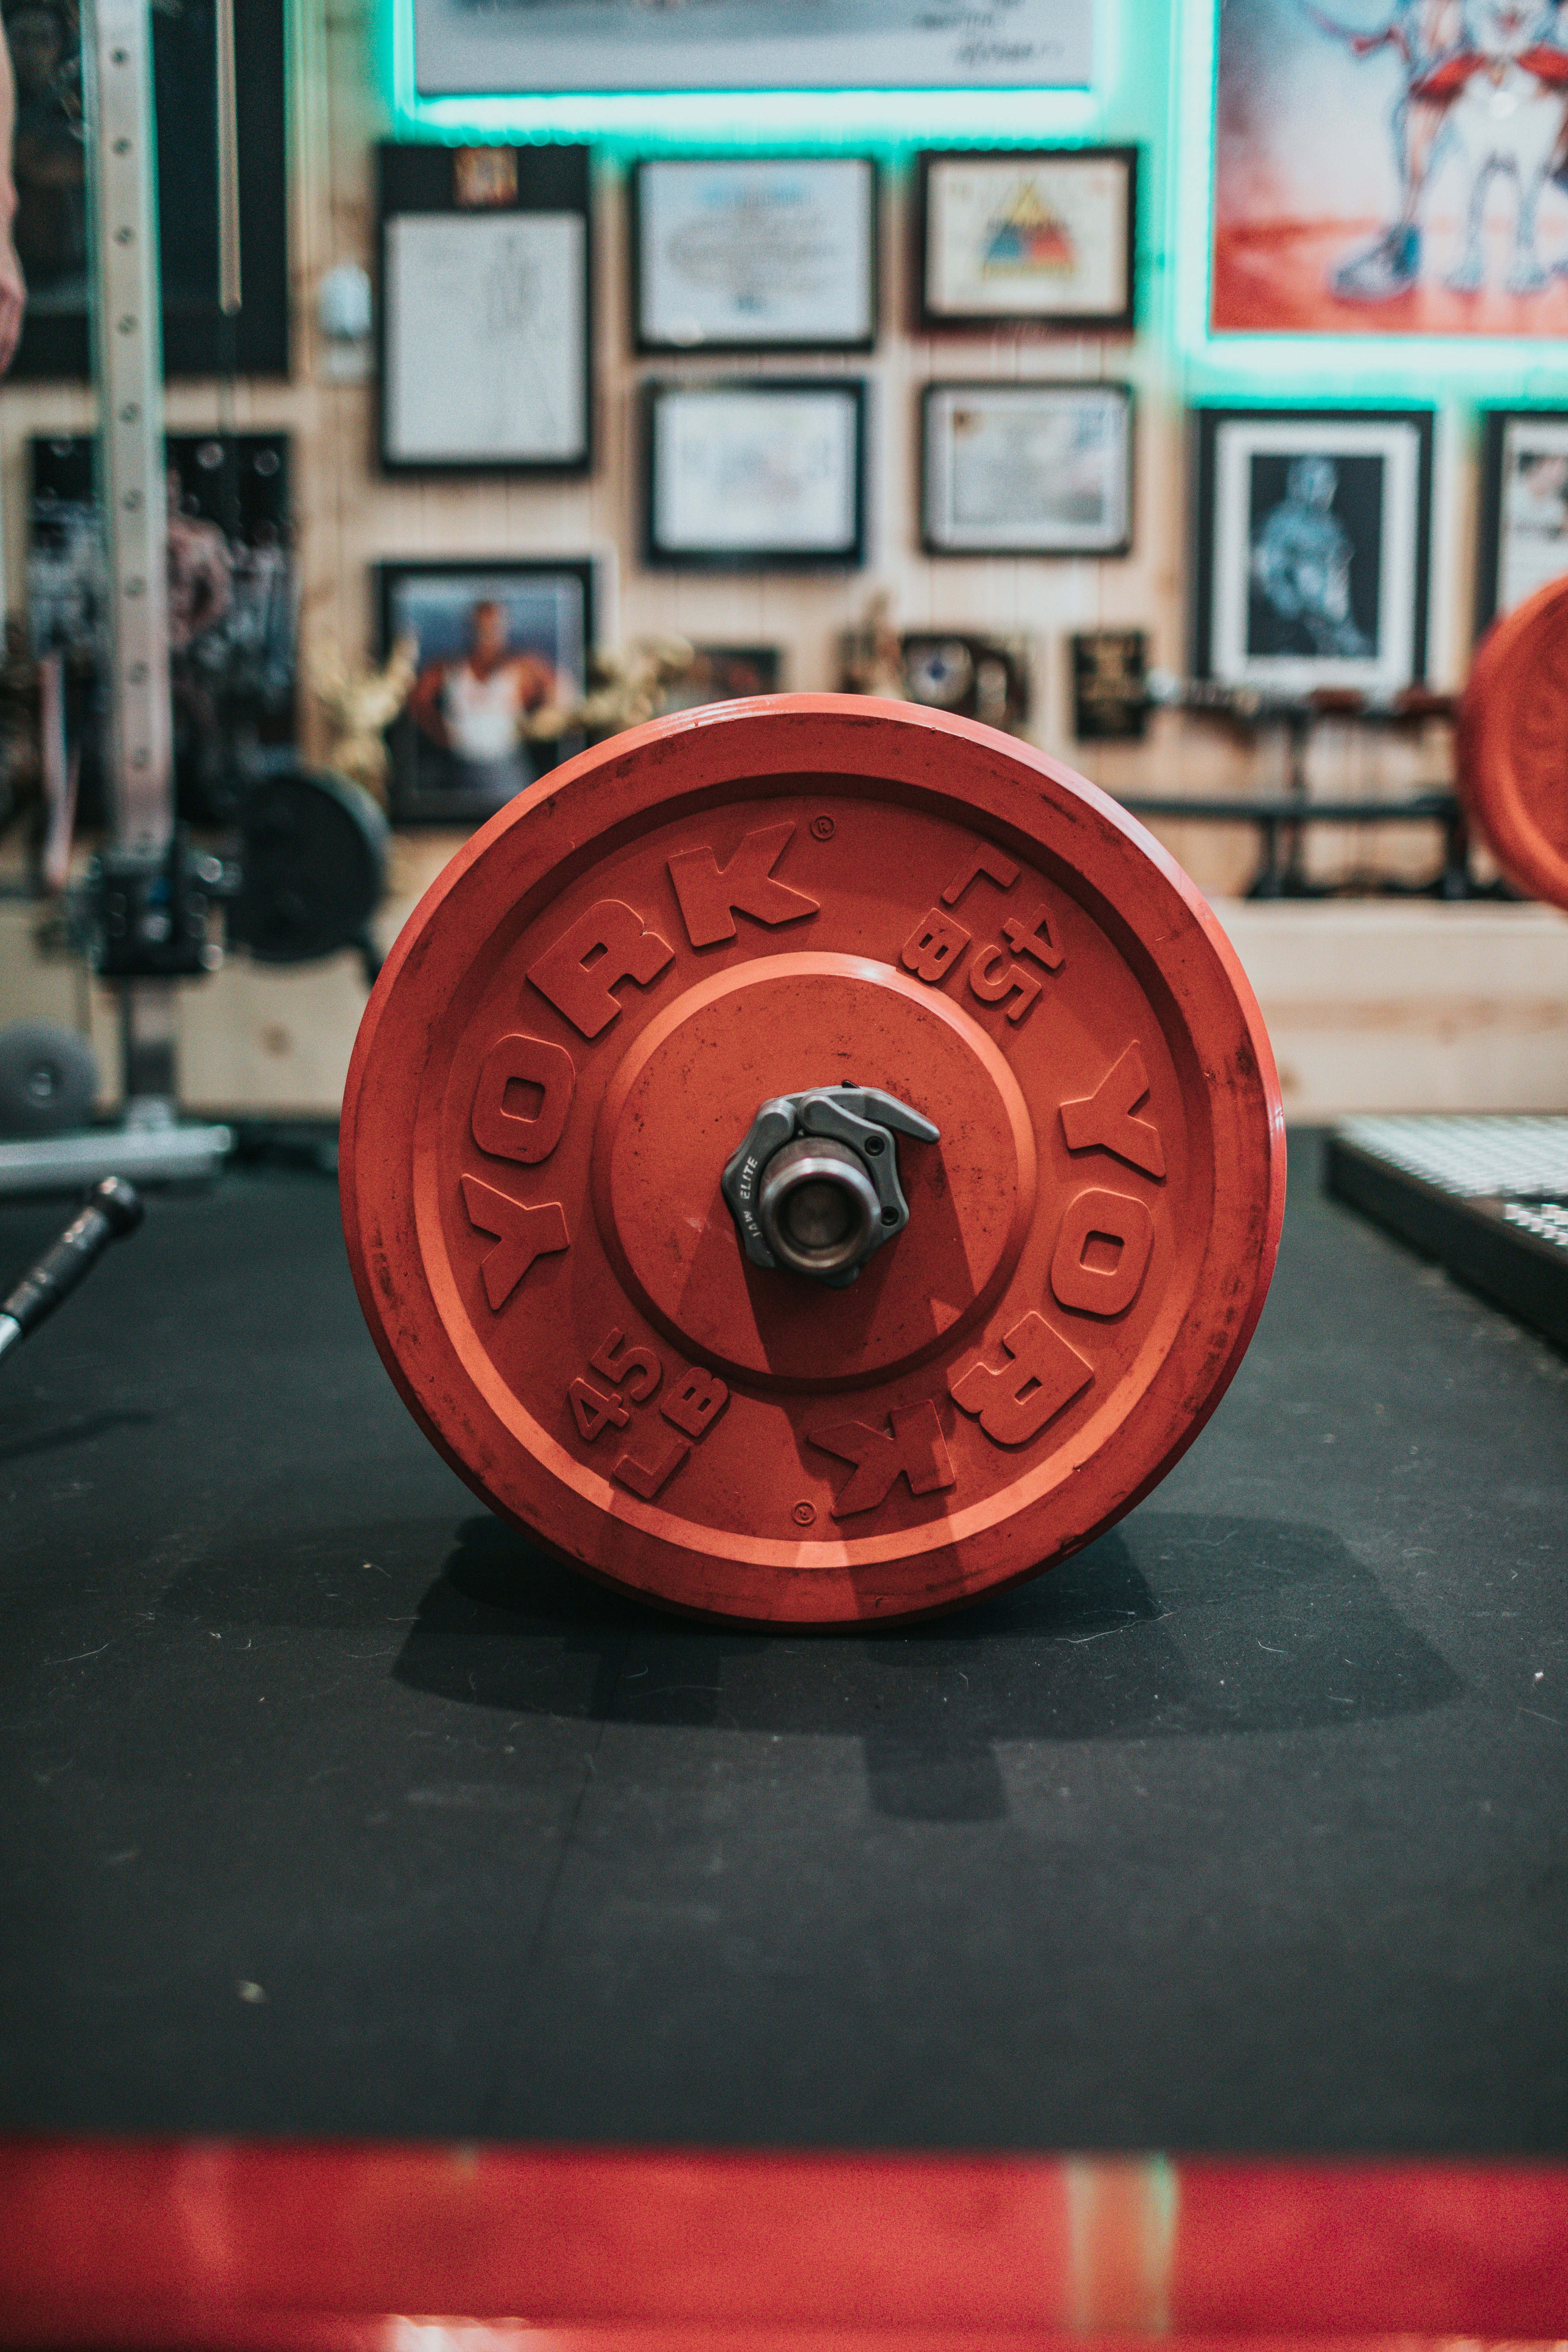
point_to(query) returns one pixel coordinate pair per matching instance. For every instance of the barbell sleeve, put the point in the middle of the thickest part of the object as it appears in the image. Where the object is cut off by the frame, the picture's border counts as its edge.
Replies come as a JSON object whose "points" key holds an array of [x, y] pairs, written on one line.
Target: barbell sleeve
{"points": [[112, 1209]]}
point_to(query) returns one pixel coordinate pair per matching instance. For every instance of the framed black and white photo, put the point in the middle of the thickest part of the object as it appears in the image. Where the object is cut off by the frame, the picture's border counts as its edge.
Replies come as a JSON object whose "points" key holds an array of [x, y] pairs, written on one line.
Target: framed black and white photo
{"points": [[755, 253], [496, 641], [1524, 507], [756, 472], [1026, 469], [1040, 237], [1313, 540], [461, 49], [486, 313]]}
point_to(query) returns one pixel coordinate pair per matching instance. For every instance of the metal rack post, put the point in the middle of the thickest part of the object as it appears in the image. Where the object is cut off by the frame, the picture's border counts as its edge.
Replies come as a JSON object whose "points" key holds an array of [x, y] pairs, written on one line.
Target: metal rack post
{"points": [[143, 892], [128, 368]]}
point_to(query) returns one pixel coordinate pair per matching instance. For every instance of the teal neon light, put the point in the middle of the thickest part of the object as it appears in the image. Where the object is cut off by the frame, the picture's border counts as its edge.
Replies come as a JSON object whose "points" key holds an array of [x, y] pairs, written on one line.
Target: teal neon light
{"points": [[1153, 84], [1304, 368]]}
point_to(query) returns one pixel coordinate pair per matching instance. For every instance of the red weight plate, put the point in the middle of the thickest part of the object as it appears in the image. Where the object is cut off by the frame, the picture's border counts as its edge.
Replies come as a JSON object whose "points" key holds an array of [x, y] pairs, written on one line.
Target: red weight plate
{"points": [[574, 1033], [1513, 744]]}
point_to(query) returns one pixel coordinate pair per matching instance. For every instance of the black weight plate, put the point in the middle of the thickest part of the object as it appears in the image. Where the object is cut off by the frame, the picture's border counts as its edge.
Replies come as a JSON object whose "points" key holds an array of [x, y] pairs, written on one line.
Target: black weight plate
{"points": [[313, 866]]}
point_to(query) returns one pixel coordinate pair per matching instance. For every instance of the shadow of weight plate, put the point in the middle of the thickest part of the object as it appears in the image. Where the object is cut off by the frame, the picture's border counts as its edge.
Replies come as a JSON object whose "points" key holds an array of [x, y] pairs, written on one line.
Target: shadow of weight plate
{"points": [[813, 920], [1513, 744]]}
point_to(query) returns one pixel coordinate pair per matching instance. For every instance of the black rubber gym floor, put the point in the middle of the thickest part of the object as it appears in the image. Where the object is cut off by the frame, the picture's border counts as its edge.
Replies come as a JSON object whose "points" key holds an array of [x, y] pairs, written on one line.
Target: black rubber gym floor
{"points": [[326, 1807]]}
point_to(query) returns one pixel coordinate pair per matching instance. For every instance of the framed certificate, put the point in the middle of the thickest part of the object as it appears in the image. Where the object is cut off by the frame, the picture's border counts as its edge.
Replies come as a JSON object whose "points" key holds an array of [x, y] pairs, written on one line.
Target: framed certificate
{"points": [[1314, 535], [1040, 238], [485, 315], [1027, 468], [1524, 507], [759, 253], [756, 473]]}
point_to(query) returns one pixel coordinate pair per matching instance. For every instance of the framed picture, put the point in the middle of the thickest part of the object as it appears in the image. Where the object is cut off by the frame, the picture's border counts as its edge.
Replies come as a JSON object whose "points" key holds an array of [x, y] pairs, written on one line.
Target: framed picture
{"points": [[1038, 237], [755, 253], [1110, 685], [1354, 154], [756, 473], [1524, 507], [232, 654], [485, 314], [1026, 469], [608, 45], [985, 678], [496, 641], [50, 171], [1314, 529], [726, 674]]}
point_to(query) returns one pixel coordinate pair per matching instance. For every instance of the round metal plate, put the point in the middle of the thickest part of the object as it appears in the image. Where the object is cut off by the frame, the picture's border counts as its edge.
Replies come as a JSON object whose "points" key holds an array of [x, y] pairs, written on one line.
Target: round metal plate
{"points": [[574, 1034], [48, 1079], [313, 866], [1513, 730]]}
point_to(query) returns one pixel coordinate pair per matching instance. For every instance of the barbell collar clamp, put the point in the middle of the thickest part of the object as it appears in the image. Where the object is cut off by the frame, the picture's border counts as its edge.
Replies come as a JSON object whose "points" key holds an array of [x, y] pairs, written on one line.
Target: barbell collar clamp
{"points": [[814, 1189]]}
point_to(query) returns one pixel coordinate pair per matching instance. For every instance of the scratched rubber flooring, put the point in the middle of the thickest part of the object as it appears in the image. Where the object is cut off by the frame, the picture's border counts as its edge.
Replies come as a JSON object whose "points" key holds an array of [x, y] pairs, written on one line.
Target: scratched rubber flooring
{"points": [[327, 1808]]}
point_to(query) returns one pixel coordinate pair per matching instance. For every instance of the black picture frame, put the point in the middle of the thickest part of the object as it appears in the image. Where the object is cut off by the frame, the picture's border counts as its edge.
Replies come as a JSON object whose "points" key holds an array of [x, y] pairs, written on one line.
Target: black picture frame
{"points": [[933, 316], [936, 533], [646, 339], [725, 674], [421, 790], [50, 227], [663, 551], [1506, 570], [1337, 434], [417, 180], [1108, 673]]}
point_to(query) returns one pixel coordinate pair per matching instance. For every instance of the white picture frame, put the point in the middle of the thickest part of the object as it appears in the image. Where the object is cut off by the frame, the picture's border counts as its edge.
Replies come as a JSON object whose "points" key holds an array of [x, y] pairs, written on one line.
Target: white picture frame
{"points": [[1027, 469], [755, 253], [485, 354], [756, 473], [1313, 549], [1523, 539]]}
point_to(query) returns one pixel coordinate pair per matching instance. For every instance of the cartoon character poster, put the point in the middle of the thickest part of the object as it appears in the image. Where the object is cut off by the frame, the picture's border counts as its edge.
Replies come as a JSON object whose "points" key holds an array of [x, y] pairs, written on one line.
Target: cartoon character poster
{"points": [[1392, 167]]}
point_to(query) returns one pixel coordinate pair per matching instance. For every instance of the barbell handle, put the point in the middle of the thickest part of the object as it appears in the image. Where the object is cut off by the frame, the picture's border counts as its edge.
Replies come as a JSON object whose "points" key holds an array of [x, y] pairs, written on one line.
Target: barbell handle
{"points": [[111, 1210]]}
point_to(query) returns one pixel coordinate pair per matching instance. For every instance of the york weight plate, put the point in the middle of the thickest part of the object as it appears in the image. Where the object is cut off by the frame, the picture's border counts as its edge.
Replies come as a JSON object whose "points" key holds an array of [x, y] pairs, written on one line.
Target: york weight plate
{"points": [[1513, 744], [697, 1369]]}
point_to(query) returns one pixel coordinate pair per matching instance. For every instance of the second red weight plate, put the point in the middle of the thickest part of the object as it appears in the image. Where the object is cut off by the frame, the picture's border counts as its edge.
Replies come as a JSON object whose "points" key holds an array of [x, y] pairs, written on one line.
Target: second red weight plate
{"points": [[574, 1035], [1513, 744]]}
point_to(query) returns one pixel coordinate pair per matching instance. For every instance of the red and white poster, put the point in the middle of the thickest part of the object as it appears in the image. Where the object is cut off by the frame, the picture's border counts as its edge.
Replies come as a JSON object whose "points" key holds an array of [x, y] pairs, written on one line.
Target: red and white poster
{"points": [[1392, 167]]}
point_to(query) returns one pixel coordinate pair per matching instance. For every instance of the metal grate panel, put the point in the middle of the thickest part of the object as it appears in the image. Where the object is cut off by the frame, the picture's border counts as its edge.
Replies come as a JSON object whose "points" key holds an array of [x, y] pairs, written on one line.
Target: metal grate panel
{"points": [[1473, 1158], [1548, 1221]]}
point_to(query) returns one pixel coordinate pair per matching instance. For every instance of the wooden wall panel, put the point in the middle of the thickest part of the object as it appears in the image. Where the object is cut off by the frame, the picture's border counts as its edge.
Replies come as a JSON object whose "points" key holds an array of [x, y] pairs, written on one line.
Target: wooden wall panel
{"points": [[348, 517]]}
